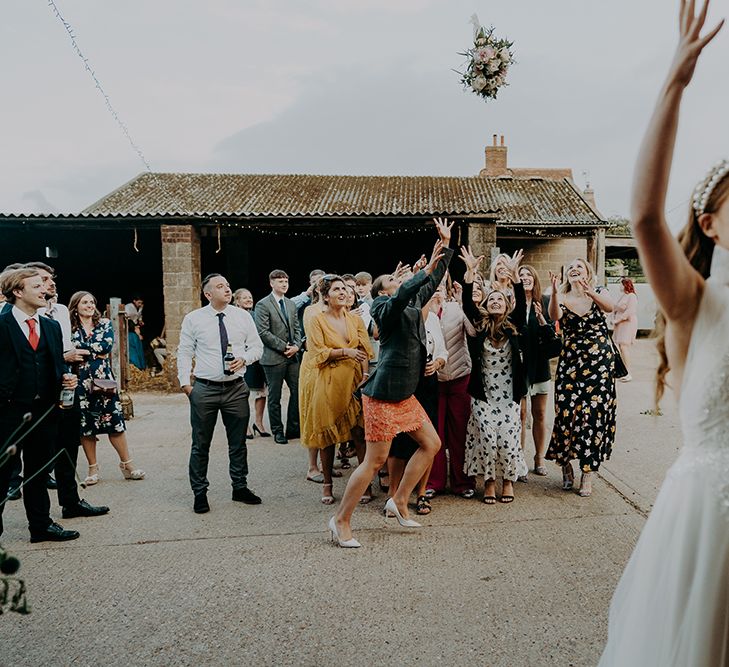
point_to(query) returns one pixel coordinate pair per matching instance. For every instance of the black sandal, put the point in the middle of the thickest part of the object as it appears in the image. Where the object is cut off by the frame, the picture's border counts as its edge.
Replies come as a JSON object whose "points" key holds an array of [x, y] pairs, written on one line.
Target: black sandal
{"points": [[423, 506], [507, 499], [383, 475], [489, 500]]}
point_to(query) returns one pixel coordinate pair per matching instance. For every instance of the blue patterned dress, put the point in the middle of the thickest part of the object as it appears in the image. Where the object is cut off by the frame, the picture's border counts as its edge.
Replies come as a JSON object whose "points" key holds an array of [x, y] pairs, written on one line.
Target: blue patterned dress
{"points": [[100, 412]]}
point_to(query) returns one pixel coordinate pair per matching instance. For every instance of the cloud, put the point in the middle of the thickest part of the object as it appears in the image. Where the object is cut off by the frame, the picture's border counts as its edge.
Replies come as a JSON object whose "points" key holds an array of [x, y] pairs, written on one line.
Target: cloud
{"points": [[39, 201]]}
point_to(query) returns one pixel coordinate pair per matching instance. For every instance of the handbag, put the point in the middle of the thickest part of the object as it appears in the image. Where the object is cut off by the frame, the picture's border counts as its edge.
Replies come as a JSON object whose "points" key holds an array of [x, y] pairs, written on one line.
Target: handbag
{"points": [[621, 370], [101, 386]]}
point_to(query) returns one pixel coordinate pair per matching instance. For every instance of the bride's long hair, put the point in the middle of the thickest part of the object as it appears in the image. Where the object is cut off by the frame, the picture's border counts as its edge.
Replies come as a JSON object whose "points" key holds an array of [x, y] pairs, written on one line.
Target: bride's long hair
{"points": [[699, 250]]}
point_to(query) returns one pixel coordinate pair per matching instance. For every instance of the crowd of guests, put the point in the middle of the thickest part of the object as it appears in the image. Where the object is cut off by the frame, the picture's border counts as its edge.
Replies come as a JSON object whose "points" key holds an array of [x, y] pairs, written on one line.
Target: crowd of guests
{"points": [[431, 384], [57, 393]]}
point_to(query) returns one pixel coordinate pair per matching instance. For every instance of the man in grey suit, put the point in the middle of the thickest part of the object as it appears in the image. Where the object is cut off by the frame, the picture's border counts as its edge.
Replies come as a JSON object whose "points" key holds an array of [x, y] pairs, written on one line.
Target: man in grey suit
{"points": [[278, 326]]}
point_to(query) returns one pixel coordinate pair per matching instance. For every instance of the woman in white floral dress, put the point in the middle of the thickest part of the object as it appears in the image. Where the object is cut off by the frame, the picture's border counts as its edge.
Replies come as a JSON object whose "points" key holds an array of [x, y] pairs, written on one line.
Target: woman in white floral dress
{"points": [[497, 384]]}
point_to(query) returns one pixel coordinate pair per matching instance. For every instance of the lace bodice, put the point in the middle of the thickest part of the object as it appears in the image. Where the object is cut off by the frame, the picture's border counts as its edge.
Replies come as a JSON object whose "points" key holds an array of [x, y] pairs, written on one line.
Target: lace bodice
{"points": [[704, 399]]}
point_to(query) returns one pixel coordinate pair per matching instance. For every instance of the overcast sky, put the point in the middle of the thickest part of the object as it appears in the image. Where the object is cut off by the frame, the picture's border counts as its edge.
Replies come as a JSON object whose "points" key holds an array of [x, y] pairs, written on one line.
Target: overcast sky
{"points": [[340, 87]]}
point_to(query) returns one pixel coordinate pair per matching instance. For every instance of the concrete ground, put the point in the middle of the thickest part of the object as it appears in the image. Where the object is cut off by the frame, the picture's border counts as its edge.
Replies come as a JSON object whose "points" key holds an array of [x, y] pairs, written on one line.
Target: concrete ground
{"points": [[152, 583]]}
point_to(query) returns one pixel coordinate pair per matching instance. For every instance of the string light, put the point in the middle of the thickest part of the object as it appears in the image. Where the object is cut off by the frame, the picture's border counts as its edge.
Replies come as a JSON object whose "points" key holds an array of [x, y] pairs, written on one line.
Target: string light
{"points": [[122, 125]]}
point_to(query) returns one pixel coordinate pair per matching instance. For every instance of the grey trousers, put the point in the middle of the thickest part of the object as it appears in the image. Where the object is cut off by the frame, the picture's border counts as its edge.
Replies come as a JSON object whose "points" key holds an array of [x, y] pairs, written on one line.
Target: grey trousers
{"points": [[205, 403], [275, 376]]}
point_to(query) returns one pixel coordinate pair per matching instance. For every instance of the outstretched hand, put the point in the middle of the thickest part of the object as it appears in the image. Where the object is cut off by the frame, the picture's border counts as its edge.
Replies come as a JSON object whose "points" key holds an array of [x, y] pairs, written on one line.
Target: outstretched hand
{"points": [[444, 230], [691, 43], [471, 262], [512, 264], [420, 264], [539, 312], [435, 257], [554, 279], [401, 270]]}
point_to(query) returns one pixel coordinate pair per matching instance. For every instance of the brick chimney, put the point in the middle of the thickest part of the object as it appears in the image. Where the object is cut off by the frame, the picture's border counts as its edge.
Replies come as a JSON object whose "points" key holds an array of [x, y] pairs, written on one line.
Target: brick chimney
{"points": [[496, 162], [589, 194]]}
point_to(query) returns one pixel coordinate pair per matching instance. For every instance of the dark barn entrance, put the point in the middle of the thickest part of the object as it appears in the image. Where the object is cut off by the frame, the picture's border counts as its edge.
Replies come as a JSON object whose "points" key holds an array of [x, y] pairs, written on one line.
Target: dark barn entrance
{"points": [[246, 257], [101, 261]]}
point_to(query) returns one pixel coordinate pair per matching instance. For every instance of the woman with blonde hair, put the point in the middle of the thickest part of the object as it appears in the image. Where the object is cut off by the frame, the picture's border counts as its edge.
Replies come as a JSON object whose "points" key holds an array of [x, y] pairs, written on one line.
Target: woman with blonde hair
{"points": [[500, 276], [584, 385]]}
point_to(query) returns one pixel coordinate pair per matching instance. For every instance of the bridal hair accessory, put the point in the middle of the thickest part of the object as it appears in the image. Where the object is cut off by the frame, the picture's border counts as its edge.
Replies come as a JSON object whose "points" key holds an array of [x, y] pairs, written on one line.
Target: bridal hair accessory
{"points": [[706, 187], [488, 62]]}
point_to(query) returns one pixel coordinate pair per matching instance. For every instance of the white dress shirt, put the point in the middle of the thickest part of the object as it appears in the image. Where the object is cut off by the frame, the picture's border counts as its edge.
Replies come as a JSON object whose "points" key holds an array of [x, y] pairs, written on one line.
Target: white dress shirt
{"points": [[22, 320], [59, 312], [133, 313], [200, 339]]}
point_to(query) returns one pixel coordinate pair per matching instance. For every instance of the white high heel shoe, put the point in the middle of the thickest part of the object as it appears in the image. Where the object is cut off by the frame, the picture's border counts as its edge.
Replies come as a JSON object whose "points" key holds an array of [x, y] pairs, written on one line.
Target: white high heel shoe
{"points": [[405, 523], [346, 544]]}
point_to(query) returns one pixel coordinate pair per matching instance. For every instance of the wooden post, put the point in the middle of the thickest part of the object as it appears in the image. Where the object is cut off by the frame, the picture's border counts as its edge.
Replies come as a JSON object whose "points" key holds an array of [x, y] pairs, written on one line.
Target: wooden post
{"points": [[120, 353], [121, 344]]}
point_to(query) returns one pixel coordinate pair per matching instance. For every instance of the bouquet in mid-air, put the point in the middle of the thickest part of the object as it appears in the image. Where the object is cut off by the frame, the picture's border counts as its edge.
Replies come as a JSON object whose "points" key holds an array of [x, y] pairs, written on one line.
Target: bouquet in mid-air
{"points": [[488, 62]]}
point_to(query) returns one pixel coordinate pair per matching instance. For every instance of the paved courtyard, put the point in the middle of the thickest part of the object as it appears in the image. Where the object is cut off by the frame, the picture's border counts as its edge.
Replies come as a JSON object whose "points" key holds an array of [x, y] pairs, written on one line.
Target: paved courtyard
{"points": [[152, 583]]}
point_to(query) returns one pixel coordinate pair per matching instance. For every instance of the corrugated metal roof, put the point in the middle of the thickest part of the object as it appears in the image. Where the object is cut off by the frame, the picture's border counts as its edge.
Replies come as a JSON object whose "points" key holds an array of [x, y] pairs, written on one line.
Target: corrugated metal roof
{"points": [[536, 201]]}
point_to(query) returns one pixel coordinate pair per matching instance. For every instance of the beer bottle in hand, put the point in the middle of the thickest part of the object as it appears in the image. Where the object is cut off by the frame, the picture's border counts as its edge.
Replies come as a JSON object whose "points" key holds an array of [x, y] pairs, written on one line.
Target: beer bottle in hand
{"points": [[228, 359]]}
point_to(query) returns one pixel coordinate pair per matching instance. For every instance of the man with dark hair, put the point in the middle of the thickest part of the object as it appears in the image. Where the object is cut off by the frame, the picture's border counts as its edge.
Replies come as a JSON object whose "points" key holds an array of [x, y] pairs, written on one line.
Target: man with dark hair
{"points": [[212, 335], [278, 326], [69, 427], [31, 378]]}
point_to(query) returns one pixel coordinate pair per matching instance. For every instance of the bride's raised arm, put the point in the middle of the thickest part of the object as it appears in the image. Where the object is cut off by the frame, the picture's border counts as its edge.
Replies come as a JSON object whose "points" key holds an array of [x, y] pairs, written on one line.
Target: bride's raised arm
{"points": [[677, 286]]}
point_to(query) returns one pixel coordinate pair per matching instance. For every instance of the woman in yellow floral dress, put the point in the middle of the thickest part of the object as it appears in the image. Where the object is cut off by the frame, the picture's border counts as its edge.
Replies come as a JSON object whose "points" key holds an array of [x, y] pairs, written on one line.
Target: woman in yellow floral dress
{"points": [[584, 386], [336, 361]]}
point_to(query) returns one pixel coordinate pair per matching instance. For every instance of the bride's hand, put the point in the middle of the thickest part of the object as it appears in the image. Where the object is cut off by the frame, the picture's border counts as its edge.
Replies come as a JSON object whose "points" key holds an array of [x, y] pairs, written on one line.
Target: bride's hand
{"points": [[691, 43]]}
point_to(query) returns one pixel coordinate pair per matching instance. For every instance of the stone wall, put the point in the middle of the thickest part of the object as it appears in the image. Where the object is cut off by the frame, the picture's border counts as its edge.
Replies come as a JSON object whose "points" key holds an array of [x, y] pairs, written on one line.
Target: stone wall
{"points": [[181, 282], [482, 239], [552, 254]]}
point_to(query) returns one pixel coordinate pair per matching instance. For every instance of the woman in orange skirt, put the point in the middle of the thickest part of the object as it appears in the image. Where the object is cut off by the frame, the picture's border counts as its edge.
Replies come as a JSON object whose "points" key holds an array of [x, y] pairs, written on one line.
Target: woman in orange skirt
{"points": [[388, 402]]}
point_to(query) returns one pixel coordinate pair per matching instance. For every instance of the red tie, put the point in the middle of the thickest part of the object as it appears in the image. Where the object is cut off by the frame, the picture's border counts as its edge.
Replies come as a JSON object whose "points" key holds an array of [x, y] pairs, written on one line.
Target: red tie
{"points": [[33, 337]]}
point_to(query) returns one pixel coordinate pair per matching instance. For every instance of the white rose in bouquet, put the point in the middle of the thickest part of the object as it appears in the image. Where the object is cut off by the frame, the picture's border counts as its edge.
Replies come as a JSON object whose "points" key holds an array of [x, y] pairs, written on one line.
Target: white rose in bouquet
{"points": [[494, 65], [505, 55], [478, 83]]}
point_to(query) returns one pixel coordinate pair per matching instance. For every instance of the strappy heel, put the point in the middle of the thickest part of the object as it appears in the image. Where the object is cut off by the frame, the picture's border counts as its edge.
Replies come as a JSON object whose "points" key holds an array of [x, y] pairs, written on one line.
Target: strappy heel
{"points": [[129, 471], [327, 498], [568, 477], [586, 485], [93, 476]]}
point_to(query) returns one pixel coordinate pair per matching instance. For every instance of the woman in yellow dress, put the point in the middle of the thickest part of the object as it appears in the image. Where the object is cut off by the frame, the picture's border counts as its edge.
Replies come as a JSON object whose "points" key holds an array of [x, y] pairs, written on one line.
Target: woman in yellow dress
{"points": [[335, 363]]}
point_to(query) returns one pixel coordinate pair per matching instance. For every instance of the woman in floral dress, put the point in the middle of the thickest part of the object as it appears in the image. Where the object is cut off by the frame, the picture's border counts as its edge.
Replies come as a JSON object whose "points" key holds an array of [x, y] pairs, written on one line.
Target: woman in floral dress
{"points": [[101, 411], [584, 385], [497, 383]]}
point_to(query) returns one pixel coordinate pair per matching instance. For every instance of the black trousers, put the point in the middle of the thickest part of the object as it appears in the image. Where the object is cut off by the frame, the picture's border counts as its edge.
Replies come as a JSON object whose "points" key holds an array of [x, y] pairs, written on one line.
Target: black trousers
{"points": [[231, 401], [275, 377], [69, 430], [69, 439], [37, 449]]}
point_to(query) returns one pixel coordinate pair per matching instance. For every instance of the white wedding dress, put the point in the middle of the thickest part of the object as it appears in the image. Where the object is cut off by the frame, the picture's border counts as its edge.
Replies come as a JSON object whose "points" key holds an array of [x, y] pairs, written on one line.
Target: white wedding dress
{"points": [[671, 607]]}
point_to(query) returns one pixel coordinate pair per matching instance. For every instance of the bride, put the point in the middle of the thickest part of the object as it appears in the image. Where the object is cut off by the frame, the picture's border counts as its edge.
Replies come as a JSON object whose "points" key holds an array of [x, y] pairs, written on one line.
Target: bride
{"points": [[671, 607]]}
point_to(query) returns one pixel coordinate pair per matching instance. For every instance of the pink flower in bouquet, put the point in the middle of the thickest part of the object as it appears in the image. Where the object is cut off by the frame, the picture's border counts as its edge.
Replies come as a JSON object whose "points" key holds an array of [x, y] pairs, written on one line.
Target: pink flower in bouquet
{"points": [[483, 54]]}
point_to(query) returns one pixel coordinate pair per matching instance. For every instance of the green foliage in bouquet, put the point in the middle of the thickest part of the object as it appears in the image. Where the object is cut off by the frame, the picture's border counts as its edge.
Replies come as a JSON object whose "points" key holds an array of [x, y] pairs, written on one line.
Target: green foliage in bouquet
{"points": [[488, 63]]}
